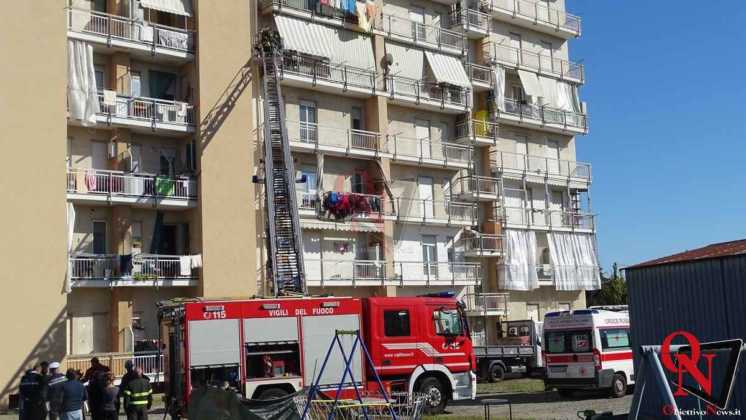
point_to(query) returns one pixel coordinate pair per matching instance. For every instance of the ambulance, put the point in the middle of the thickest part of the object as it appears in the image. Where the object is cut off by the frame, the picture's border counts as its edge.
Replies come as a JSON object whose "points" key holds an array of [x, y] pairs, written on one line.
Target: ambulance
{"points": [[588, 349]]}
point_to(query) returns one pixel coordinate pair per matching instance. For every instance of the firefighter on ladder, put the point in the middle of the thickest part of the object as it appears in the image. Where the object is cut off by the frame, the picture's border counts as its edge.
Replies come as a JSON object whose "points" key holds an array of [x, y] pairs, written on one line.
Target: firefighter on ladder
{"points": [[138, 397]]}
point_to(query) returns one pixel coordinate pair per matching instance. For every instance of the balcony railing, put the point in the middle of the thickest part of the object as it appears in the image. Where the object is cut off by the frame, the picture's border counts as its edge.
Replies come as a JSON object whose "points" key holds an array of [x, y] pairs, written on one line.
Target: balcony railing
{"points": [[434, 36], [476, 186], [483, 243], [435, 211], [313, 7], [140, 267], [307, 201], [343, 138], [537, 12], [548, 272], [438, 272], [150, 362], [429, 149], [472, 129], [321, 70], [549, 219], [471, 19], [351, 271], [487, 303], [120, 184], [543, 63], [345, 205], [545, 115], [540, 165], [421, 91], [121, 28], [479, 74], [148, 110]]}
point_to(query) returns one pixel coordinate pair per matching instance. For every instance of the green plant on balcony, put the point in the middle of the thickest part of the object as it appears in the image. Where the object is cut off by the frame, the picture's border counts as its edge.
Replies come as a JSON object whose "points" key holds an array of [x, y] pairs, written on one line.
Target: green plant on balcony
{"points": [[144, 276]]}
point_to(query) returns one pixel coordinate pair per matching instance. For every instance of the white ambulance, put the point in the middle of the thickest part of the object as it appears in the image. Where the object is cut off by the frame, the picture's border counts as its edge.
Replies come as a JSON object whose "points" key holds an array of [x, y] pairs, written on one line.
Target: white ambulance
{"points": [[588, 349]]}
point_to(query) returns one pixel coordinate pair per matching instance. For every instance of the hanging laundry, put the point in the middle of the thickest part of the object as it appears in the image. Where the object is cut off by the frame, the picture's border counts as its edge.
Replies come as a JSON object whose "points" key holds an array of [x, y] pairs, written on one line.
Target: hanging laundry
{"points": [[90, 180], [185, 265], [164, 186], [372, 12], [325, 2], [196, 261], [362, 18]]}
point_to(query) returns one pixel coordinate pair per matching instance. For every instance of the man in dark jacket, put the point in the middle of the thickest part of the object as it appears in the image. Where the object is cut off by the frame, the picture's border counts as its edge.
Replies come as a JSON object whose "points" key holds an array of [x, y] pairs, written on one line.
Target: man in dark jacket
{"points": [[54, 390], [138, 397], [32, 391], [73, 396]]}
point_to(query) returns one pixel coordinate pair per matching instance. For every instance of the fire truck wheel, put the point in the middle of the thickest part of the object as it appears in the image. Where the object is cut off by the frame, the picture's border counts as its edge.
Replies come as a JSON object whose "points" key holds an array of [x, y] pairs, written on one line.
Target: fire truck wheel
{"points": [[272, 394], [497, 373], [436, 396], [618, 386]]}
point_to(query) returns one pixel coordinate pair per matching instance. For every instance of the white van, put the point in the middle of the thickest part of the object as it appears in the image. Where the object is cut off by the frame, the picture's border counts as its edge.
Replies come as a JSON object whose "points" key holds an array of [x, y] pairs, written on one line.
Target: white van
{"points": [[588, 349]]}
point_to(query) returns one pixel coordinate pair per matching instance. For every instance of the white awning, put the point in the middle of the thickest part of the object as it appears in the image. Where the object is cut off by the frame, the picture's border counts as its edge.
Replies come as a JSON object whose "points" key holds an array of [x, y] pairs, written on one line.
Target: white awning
{"points": [[530, 83], [177, 7], [342, 226], [549, 91], [447, 69], [305, 37], [353, 49], [408, 62]]}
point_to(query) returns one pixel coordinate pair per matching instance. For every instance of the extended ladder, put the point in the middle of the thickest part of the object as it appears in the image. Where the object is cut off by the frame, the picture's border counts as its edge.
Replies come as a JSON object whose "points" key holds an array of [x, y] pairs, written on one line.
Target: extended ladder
{"points": [[284, 241]]}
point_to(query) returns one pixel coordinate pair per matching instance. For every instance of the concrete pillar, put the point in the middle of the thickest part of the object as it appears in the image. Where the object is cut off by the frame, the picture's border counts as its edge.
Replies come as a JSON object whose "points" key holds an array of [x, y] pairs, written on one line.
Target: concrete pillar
{"points": [[121, 317]]}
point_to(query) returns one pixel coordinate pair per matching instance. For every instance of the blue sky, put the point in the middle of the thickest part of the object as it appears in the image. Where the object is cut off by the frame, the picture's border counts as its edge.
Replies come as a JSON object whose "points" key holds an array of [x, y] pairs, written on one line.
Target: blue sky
{"points": [[667, 102]]}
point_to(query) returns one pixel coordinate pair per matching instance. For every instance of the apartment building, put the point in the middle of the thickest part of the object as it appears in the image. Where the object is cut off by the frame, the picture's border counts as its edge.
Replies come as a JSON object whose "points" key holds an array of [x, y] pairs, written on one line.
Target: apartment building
{"points": [[144, 108], [435, 144]]}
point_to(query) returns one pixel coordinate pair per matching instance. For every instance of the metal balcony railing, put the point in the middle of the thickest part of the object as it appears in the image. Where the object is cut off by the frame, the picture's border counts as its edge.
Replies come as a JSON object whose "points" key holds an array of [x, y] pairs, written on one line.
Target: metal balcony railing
{"points": [[437, 272], [352, 271], [147, 109], [436, 211], [483, 243], [476, 186], [470, 19], [323, 135], [307, 201], [477, 128], [322, 70], [110, 267], [543, 63], [549, 218], [487, 303], [127, 29], [538, 165], [121, 184], [479, 74], [420, 91], [544, 115], [313, 7], [537, 12], [429, 149], [434, 36]]}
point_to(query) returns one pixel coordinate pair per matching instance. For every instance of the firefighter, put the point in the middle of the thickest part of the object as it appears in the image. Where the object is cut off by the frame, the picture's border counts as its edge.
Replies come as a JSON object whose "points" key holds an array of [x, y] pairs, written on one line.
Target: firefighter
{"points": [[32, 394], [138, 397], [54, 390]]}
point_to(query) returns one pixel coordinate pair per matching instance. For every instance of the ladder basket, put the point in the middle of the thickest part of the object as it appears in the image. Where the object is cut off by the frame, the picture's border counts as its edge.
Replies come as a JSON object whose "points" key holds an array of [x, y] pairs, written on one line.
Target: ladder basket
{"points": [[373, 407]]}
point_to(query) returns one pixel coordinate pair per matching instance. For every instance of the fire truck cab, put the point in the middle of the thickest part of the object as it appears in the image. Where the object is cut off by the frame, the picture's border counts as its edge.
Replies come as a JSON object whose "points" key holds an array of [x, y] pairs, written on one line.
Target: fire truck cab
{"points": [[588, 349], [267, 348]]}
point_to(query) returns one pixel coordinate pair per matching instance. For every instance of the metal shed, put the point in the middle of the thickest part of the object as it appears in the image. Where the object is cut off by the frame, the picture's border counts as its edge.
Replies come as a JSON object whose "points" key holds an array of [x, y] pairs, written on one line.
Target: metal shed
{"points": [[702, 291]]}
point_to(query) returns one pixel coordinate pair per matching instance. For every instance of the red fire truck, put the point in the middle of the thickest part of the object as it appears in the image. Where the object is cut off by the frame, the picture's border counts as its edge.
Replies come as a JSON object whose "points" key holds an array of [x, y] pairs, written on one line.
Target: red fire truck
{"points": [[267, 348]]}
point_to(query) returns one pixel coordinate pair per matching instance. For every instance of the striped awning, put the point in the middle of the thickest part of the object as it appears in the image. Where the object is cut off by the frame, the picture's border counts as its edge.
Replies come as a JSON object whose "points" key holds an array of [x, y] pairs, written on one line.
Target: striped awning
{"points": [[177, 7], [352, 226], [530, 83], [447, 69], [408, 61]]}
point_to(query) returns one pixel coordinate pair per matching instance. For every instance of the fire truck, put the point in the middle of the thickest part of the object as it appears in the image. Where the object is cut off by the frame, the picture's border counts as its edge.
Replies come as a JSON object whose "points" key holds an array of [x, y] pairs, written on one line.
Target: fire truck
{"points": [[268, 348]]}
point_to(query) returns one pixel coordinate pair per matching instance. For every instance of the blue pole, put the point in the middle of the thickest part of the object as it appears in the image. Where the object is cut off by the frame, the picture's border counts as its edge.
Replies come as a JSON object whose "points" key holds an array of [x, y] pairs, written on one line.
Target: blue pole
{"points": [[378, 378], [315, 384], [348, 363]]}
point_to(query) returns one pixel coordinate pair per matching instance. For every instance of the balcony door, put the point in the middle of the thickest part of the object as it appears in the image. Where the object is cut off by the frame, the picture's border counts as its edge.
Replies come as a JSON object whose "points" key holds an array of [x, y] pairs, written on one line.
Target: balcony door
{"points": [[552, 152], [417, 16], [308, 122], [426, 191], [557, 207], [546, 56], [516, 43], [422, 132], [430, 256], [99, 237], [99, 158]]}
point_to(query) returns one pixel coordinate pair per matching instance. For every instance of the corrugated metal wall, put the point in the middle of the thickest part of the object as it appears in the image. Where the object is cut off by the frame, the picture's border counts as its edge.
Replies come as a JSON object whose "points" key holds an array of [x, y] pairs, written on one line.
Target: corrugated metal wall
{"points": [[707, 298]]}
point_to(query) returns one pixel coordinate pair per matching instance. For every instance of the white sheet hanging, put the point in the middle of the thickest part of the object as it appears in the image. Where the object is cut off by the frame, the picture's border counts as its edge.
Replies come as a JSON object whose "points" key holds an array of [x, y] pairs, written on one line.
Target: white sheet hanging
{"points": [[500, 87], [574, 261], [530, 83], [70, 233], [177, 7], [82, 96], [567, 98], [447, 69], [519, 269], [408, 61], [549, 90]]}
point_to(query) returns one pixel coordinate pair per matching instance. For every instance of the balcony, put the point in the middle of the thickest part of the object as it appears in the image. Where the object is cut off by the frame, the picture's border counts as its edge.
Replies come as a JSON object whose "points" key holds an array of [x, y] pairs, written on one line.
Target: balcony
{"points": [[536, 168], [425, 36], [312, 137], [535, 15], [548, 272], [481, 76], [141, 270], [428, 95], [437, 273], [96, 186], [472, 23], [429, 152], [486, 304], [321, 75], [415, 210], [477, 132], [309, 10], [146, 114], [545, 64], [151, 363], [345, 272], [517, 112], [483, 245], [120, 33], [344, 211], [549, 219], [476, 188]]}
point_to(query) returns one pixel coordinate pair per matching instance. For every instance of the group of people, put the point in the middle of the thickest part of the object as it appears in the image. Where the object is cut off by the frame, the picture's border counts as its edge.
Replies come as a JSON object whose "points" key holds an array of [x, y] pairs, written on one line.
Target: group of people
{"points": [[45, 391]]}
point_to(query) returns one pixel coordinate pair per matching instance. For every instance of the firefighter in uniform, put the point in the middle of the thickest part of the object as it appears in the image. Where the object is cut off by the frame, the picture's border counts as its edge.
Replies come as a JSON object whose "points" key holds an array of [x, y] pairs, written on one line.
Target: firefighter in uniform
{"points": [[54, 390], [33, 395], [138, 397]]}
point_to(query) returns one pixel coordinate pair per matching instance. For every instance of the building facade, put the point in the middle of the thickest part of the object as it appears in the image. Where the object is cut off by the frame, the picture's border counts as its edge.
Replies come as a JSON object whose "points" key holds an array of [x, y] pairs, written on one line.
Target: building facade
{"points": [[435, 142]]}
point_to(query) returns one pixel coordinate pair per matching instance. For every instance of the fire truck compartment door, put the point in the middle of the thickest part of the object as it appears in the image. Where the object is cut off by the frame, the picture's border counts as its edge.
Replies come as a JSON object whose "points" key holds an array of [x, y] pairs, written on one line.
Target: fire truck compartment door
{"points": [[264, 330], [214, 342], [318, 332]]}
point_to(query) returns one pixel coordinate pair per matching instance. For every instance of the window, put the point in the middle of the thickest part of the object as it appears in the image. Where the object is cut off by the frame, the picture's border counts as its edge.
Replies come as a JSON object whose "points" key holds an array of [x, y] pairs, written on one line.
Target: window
{"points": [[99, 6], [308, 122], [356, 117], [162, 85], [617, 338], [135, 84], [581, 342], [99, 75], [451, 249], [555, 342], [396, 323], [568, 341], [99, 237], [447, 322], [358, 186]]}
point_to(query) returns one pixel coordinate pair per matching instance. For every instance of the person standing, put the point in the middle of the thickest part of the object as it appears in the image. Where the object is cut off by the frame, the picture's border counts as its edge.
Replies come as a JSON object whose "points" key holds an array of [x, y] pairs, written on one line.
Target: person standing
{"points": [[73, 396], [110, 399], [138, 397], [33, 395], [54, 390]]}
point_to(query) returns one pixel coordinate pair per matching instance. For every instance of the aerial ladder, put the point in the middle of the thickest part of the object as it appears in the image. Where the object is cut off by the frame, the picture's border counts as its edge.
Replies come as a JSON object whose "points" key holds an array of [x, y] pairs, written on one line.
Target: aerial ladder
{"points": [[284, 240]]}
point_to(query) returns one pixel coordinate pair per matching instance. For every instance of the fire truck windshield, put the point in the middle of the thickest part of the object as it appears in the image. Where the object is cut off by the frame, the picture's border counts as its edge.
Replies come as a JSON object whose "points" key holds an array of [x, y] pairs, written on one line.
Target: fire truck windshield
{"points": [[448, 322]]}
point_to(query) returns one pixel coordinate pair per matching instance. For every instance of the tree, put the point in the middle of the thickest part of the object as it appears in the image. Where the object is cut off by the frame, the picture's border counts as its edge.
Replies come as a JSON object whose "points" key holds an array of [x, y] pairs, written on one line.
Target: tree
{"points": [[613, 290]]}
